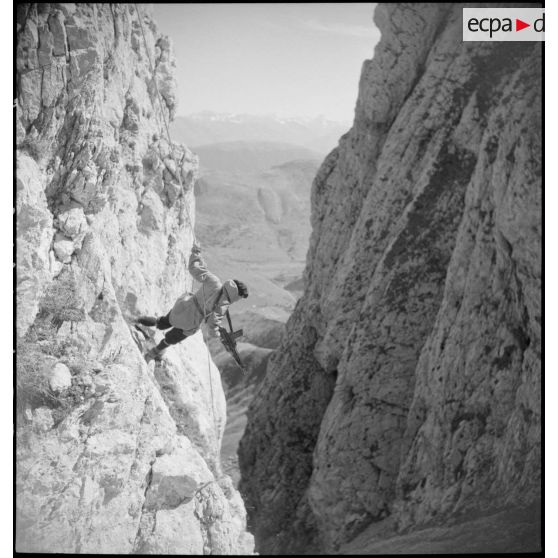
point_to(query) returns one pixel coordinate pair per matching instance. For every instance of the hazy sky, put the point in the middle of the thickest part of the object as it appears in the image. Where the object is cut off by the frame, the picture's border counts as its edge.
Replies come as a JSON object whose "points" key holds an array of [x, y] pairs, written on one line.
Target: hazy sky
{"points": [[287, 59]]}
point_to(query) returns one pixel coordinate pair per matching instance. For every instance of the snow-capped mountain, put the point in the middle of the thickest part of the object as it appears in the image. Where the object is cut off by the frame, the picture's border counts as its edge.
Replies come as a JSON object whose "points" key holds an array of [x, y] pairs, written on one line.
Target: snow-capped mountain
{"points": [[316, 133]]}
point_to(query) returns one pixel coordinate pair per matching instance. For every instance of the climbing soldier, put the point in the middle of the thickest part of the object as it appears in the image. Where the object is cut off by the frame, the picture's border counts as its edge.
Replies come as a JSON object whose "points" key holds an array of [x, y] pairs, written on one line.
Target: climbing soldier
{"points": [[210, 303]]}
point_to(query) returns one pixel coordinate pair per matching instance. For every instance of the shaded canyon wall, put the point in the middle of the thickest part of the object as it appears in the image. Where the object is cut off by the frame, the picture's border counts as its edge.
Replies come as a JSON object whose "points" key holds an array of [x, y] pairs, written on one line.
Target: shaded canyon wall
{"points": [[408, 384]]}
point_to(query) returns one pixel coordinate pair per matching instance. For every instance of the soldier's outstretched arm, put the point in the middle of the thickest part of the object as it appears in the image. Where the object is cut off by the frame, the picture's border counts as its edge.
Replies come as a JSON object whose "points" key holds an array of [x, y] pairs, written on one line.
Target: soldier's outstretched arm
{"points": [[198, 268]]}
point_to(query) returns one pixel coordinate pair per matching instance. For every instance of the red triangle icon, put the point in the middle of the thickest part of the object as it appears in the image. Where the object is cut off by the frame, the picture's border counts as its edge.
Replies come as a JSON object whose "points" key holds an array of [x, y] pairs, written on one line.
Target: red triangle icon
{"points": [[519, 25]]}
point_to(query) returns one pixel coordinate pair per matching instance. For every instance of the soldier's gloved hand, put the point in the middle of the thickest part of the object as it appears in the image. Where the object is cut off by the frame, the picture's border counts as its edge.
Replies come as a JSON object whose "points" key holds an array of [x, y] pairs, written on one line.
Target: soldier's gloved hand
{"points": [[196, 248]]}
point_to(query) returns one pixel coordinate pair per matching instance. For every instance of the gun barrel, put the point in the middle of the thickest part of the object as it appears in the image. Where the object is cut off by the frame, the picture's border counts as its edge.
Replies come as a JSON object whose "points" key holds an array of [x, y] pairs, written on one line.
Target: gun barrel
{"points": [[228, 340]]}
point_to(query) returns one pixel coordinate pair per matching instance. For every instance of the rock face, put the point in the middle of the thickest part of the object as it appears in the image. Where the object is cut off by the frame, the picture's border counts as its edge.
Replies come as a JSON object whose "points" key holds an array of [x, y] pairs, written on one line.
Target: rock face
{"points": [[120, 457], [408, 384], [61, 378]]}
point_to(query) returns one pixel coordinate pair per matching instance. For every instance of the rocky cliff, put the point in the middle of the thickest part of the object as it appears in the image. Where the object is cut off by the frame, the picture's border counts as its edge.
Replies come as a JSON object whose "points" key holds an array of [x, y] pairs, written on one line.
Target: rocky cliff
{"points": [[407, 389], [113, 455]]}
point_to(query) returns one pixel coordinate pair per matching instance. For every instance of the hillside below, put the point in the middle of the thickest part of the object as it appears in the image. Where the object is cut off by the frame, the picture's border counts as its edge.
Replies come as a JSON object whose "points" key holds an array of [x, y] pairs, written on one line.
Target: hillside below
{"points": [[249, 157]]}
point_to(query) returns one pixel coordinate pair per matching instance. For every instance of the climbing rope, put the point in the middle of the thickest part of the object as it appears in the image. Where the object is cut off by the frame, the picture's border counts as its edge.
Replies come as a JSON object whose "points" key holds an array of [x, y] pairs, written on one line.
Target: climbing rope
{"points": [[152, 68], [209, 373]]}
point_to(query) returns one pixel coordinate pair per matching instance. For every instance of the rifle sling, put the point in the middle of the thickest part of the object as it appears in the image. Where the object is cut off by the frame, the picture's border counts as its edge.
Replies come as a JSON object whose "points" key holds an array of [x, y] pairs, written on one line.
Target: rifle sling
{"points": [[206, 317], [230, 322]]}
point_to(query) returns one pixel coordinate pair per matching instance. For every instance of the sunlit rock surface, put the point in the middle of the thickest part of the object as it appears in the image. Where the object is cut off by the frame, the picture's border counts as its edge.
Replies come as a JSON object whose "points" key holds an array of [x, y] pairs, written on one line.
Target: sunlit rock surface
{"points": [[126, 458]]}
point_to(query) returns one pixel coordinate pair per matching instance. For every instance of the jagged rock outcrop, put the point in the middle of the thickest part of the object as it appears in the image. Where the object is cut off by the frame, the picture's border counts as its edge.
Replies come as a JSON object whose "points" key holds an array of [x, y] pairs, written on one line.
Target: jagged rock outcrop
{"points": [[408, 384], [118, 457]]}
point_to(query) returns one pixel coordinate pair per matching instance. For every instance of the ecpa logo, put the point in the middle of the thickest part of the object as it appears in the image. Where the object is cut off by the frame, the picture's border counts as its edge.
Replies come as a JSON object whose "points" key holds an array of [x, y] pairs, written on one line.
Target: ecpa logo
{"points": [[503, 24]]}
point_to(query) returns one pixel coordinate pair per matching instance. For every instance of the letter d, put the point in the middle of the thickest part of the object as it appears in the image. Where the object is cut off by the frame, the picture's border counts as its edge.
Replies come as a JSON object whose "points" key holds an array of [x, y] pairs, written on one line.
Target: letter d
{"points": [[539, 25]]}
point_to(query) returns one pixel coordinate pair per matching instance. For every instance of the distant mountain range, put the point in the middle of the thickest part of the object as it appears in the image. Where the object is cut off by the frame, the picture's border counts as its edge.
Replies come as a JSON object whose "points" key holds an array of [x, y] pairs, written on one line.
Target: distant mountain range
{"points": [[317, 134], [246, 156]]}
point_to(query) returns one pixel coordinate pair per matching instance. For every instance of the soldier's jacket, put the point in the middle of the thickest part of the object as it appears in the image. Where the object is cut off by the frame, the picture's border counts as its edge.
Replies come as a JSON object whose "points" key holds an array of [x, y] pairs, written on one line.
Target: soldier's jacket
{"points": [[213, 297]]}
